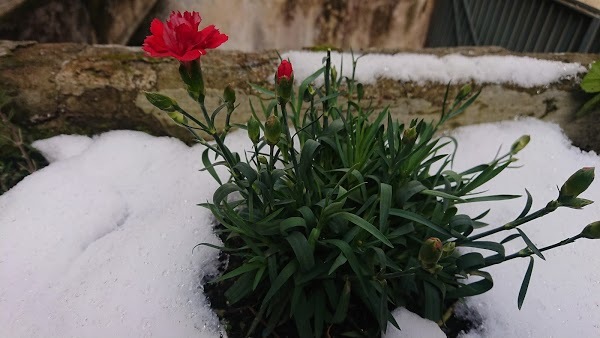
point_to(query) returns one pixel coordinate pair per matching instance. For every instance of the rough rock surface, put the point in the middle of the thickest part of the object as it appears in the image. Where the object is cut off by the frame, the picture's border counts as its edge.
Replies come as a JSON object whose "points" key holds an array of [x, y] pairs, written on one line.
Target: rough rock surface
{"points": [[83, 89], [294, 24], [89, 21]]}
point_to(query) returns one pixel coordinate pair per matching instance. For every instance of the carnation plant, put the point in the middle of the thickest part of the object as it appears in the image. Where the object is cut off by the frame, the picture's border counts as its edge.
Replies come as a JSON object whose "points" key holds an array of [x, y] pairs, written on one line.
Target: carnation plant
{"points": [[348, 214]]}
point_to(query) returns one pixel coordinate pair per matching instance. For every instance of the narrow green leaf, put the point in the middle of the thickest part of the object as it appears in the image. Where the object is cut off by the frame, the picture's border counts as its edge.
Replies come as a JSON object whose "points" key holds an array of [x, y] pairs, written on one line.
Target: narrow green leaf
{"points": [[473, 289], [470, 261], [589, 106], [525, 284], [301, 249], [509, 238], [246, 170], [290, 223], [441, 194], [530, 244], [283, 277], [433, 302], [487, 245], [370, 228], [339, 261], [210, 166], [527, 205], [241, 270], [385, 203], [341, 309], [489, 198], [223, 191], [421, 220]]}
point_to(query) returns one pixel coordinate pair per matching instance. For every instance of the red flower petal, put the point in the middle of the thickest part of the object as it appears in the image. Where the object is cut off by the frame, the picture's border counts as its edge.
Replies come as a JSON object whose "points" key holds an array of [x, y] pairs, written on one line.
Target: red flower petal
{"points": [[210, 37], [179, 37]]}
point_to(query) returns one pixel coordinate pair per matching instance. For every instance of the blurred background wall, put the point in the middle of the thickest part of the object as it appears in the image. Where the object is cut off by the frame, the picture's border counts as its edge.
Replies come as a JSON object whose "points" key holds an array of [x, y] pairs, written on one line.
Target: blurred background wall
{"points": [[253, 25]]}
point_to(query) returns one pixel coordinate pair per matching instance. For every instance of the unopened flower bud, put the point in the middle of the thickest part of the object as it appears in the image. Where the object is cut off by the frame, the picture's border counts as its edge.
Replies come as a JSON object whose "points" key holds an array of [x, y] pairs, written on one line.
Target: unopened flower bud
{"points": [[409, 136], [333, 74], [284, 80], [161, 101], [262, 159], [448, 249], [577, 183], [430, 252], [229, 94], [591, 231], [178, 117], [360, 91], [272, 130], [309, 93], [519, 144], [463, 92], [253, 130]]}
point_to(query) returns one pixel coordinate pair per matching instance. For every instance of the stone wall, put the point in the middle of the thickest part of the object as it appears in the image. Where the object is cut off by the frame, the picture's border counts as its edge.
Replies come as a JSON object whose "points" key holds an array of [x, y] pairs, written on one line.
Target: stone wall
{"points": [[84, 89], [85, 21], [293, 24]]}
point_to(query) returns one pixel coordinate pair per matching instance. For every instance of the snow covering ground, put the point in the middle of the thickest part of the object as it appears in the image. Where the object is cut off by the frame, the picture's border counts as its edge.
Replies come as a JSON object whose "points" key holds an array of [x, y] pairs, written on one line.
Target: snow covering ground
{"points": [[99, 243], [518, 70]]}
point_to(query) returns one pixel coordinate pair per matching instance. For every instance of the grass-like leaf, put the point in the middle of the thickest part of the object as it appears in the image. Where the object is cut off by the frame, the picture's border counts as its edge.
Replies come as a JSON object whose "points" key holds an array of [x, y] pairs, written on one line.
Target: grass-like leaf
{"points": [[525, 284]]}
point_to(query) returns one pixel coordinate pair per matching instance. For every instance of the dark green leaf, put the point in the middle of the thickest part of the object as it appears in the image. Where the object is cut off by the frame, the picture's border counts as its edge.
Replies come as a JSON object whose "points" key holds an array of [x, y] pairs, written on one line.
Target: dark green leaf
{"points": [[302, 250], [421, 220], [530, 244], [385, 203], [223, 191], [210, 166], [283, 277], [525, 284], [370, 228]]}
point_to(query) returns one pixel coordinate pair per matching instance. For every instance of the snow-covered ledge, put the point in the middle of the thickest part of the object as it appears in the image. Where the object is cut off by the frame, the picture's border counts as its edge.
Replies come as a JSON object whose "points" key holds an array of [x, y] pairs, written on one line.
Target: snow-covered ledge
{"points": [[71, 88]]}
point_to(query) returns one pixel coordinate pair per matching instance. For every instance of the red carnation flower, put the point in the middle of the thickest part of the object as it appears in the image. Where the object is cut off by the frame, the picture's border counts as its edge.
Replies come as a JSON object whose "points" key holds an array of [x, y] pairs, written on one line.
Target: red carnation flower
{"points": [[284, 71], [179, 37]]}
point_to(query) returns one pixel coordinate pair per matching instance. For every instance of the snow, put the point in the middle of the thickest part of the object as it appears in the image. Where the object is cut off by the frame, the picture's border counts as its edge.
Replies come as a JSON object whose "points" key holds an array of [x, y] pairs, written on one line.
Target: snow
{"points": [[99, 243], [517, 70]]}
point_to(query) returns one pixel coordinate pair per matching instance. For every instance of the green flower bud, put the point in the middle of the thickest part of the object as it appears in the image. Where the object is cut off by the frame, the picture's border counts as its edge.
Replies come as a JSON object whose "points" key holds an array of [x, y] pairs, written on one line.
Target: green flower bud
{"points": [[448, 249], [409, 136], [309, 93], [360, 91], [272, 130], [178, 117], [576, 184], [262, 159], [253, 130], [463, 92], [576, 203], [591, 231], [229, 94], [333, 74], [519, 144], [161, 101], [430, 252]]}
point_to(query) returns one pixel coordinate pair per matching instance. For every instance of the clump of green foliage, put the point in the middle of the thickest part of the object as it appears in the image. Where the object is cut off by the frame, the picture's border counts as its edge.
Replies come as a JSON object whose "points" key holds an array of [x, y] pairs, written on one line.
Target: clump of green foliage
{"points": [[18, 159], [351, 214], [591, 84]]}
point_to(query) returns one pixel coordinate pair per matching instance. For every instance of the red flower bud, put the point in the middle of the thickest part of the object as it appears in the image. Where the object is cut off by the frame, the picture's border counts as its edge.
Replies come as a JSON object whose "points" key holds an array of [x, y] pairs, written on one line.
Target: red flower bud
{"points": [[178, 37], [284, 71]]}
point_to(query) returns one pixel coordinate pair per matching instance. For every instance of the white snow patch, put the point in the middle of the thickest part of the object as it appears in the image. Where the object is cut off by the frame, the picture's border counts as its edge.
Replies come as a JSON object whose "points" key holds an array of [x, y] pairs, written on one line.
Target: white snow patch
{"points": [[62, 147], [412, 326], [523, 71], [99, 244]]}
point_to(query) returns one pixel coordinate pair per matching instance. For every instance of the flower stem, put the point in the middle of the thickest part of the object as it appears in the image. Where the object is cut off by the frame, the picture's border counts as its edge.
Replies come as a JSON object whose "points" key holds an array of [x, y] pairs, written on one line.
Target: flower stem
{"points": [[513, 224], [526, 252]]}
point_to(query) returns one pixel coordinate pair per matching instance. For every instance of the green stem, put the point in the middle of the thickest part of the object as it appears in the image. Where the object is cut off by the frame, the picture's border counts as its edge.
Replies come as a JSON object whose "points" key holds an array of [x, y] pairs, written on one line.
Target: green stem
{"points": [[289, 136], [526, 252], [513, 224]]}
